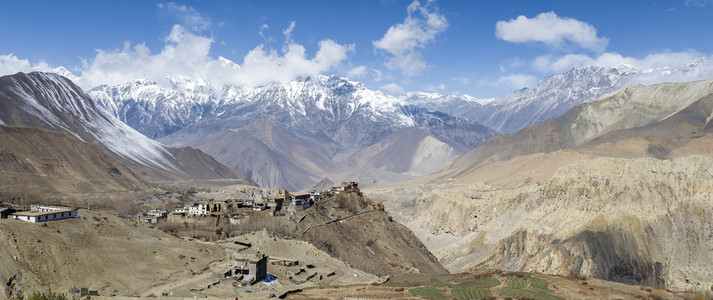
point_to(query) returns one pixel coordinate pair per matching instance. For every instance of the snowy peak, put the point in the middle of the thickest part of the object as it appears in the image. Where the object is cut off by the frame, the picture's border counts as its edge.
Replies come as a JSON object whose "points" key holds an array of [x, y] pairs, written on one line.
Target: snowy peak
{"points": [[50, 101], [63, 106], [228, 64]]}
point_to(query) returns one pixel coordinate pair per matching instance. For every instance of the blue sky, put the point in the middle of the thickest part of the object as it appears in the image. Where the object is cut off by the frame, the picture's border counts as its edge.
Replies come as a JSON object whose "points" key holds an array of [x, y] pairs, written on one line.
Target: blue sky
{"points": [[481, 48]]}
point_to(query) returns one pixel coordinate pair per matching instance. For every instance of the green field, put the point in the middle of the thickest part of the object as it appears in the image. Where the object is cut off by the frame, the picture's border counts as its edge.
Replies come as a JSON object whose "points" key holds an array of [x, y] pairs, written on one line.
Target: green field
{"points": [[540, 285], [470, 293], [417, 283], [517, 282], [521, 293], [428, 293], [482, 283]]}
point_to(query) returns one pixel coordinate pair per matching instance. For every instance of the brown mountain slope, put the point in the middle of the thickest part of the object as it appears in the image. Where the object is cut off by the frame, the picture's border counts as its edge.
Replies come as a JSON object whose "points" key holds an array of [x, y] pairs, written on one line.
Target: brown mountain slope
{"points": [[358, 231], [107, 254], [47, 164], [50, 101], [669, 110], [617, 189], [270, 155]]}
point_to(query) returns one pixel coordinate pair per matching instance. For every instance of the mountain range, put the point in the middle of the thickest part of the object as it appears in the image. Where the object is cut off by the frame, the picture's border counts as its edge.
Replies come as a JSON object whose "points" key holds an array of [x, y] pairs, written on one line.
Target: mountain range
{"points": [[616, 189], [294, 134], [53, 102]]}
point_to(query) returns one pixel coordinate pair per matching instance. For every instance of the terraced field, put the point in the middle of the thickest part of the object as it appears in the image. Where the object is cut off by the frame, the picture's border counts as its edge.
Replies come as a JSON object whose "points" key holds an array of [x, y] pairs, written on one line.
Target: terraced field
{"points": [[515, 285]]}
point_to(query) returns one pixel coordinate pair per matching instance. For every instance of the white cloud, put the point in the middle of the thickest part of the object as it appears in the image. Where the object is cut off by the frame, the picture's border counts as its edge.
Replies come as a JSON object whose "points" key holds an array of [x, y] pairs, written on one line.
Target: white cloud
{"points": [[288, 32], [403, 41], [381, 76], [516, 81], [188, 16], [698, 2], [187, 54], [511, 63], [551, 30], [262, 33], [434, 88], [551, 64], [392, 88], [357, 72], [11, 64], [460, 79]]}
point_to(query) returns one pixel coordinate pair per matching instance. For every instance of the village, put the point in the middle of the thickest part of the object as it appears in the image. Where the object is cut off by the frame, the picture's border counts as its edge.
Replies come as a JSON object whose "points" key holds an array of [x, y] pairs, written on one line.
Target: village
{"points": [[236, 210], [249, 264]]}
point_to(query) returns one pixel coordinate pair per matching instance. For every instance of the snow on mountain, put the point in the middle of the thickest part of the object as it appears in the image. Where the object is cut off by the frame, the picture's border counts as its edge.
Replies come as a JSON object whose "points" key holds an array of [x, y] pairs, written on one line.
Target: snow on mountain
{"points": [[545, 100], [51, 101], [338, 116], [308, 102], [56, 101], [556, 94]]}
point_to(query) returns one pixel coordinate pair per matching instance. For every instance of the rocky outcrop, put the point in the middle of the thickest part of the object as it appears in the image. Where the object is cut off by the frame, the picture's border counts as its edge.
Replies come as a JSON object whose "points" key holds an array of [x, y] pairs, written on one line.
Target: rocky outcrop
{"points": [[642, 221]]}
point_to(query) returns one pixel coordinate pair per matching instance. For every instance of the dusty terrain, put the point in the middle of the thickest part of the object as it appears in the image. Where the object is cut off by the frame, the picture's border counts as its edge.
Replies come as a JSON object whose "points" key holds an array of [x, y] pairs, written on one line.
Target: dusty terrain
{"points": [[116, 256], [358, 231], [617, 189], [37, 163], [637, 221]]}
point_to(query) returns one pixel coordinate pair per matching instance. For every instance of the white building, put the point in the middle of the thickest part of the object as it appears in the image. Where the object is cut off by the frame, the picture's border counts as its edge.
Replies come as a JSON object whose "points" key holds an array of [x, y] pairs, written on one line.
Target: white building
{"points": [[260, 206], [157, 213], [198, 209], [45, 213]]}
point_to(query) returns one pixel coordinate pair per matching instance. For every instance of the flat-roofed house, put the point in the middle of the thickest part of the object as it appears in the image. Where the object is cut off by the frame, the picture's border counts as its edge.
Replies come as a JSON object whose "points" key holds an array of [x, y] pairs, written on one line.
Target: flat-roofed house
{"points": [[252, 268], [45, 213]]}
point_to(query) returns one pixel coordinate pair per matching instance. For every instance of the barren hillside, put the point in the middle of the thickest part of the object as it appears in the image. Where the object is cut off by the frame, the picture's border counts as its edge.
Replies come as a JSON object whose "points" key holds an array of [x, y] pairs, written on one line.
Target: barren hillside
{"points": [[617, 189], [41, 164]]}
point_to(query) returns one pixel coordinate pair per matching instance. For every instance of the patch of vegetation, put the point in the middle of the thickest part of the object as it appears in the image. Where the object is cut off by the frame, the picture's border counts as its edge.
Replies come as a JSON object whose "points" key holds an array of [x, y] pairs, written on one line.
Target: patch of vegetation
{"points": [[517, 282], [417, 283], [470, 293], [540, 285], [519, 293], [482, 283], [41, 296], [428, 293]]}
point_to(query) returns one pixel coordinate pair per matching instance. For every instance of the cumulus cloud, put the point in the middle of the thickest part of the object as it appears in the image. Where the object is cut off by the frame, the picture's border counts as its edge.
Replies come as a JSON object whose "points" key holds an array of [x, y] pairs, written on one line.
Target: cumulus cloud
{"points": [[435, 88], [551, 30], [381, 76], [188, 54], [392, 88], [403, 40], [357, 72], [460, 79], [511, 63], [550, 63], [11, 64], [188, 16], [516, 81]]}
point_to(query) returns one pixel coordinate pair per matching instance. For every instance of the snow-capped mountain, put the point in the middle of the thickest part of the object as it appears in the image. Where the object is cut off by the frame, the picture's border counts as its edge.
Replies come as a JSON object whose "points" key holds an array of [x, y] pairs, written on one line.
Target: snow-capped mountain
{"points": [[556, 94], [547, 99], [51, 101], [343, 118], [340, 117]]}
